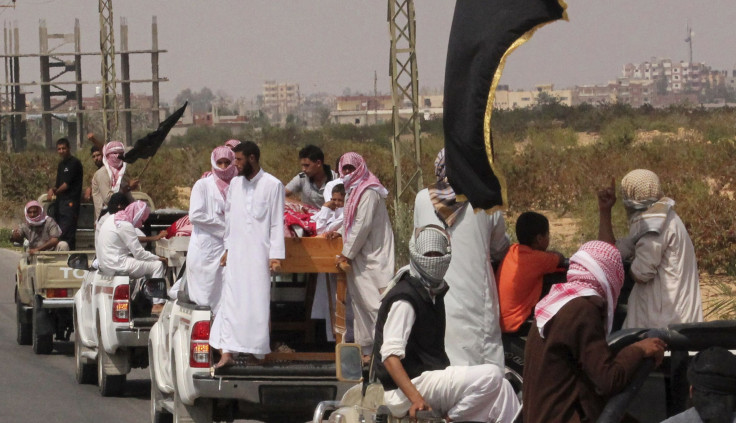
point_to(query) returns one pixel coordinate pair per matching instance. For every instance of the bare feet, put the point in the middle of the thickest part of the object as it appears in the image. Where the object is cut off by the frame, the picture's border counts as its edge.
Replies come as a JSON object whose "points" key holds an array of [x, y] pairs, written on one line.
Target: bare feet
{"points": [[157, 309], [225, 361]]}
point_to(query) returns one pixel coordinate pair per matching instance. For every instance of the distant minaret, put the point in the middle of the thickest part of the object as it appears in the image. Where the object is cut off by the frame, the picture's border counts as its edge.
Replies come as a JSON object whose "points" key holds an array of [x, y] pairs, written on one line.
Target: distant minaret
{"points": [[689, 40]]}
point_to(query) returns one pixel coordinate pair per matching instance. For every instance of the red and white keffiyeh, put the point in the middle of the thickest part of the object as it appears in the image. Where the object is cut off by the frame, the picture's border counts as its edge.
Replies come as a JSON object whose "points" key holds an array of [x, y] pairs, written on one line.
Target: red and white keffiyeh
{"points": [[136, 213], [115, 165], [595, 269], [223, 176], [38, 220], [232, 143], [355, 185], [182, 227]]}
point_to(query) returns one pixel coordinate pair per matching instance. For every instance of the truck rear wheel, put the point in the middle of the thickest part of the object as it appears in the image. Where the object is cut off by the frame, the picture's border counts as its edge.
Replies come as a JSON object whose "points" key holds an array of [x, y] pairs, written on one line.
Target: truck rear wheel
{"points": [[43, 343], [109, 385], [84, 372], [25, 330]]}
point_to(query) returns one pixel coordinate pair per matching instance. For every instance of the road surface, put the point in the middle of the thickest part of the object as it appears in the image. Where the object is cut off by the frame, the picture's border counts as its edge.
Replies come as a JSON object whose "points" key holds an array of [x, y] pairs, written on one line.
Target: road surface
{"points": [[41, 388]]}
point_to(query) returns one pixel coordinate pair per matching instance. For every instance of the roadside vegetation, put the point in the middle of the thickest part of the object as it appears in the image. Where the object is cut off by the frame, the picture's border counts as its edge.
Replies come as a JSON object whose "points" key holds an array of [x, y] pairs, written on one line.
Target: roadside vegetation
{"points": [[553, 158]]}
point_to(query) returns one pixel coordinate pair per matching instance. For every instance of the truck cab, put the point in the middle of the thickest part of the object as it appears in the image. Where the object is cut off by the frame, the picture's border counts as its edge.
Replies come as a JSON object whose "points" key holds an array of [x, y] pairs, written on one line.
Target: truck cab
{"points": [[286, 386], [45, 286], [112, 320]]}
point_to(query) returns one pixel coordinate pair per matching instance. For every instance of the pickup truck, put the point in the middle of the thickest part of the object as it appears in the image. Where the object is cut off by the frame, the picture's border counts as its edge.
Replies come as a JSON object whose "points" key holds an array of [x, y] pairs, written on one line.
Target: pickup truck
{"points": [[112, 320], [285, 387], [45, 285]]}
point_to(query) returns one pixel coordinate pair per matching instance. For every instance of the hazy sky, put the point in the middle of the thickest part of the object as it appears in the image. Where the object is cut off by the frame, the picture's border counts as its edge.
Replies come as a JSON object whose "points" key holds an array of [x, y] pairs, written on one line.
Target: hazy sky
{"points": [[328, 45]]}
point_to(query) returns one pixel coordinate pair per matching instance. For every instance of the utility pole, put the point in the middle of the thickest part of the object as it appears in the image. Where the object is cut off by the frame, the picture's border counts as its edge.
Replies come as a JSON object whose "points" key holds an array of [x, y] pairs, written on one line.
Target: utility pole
{"points": [[375, 97], [109, 89], [405, 142]]}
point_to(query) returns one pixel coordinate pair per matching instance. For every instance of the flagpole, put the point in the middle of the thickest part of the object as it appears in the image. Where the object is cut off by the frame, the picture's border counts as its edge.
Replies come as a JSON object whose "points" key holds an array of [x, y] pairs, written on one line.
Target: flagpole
{"points": [[148, 162]]}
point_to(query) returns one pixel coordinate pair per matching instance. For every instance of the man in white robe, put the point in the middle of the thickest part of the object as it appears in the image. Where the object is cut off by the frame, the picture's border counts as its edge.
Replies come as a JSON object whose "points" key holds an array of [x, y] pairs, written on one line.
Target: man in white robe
{"points": [[664, 265], [473, 335], [368, 244], [118, 249], [206, 246], [254, 246]]}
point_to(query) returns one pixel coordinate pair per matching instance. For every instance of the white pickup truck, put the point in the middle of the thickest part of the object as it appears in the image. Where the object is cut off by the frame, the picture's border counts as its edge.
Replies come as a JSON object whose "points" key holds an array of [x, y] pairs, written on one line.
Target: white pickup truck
{"points": [[285, 387], [112, 323]]}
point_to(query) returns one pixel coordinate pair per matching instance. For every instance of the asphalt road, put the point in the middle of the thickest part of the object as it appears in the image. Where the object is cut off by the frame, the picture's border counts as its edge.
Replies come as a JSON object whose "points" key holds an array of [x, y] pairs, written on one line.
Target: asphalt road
{"points": [[41, 388]]}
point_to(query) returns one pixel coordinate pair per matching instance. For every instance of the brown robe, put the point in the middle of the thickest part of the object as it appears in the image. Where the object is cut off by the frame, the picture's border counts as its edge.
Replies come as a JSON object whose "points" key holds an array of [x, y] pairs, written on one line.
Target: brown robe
{"points": [[570, 374]]}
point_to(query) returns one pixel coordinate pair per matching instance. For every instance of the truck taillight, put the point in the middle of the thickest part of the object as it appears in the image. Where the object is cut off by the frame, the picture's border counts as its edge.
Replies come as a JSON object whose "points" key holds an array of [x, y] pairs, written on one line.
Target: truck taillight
{"points": [[56, 293], [199, 345], [120, 304]]}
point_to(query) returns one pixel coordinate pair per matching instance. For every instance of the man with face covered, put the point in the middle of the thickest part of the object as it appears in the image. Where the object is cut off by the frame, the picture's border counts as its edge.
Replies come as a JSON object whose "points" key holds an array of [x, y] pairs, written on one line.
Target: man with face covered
{"points": [[409, 351]]}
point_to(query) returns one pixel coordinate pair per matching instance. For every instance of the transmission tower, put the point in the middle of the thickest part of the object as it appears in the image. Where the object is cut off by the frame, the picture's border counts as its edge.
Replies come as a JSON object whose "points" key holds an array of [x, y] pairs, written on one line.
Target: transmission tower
{"points": [[405, 143], [109, 89]]}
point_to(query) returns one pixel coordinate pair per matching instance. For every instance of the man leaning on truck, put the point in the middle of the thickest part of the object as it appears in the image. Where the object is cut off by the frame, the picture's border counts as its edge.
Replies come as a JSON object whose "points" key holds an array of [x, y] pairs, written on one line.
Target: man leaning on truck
{"points": [[41, 231]]}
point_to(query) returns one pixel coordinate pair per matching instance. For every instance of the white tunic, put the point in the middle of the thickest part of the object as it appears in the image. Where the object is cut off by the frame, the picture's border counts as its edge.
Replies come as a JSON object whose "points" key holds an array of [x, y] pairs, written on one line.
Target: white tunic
{"points": [[472, 393], [370, 248], [204, 274], [254, 235], [473, 334], [118, 250], [671, 290]]}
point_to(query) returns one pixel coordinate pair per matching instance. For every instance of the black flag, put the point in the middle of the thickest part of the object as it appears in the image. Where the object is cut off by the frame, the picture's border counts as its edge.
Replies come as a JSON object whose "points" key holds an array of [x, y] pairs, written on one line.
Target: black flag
{"points": [[148, 146], [483, 33]]}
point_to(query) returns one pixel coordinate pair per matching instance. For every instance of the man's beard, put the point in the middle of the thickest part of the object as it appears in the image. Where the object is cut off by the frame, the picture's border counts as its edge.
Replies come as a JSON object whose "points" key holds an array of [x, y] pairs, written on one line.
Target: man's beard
{"points": [[247, 169]]}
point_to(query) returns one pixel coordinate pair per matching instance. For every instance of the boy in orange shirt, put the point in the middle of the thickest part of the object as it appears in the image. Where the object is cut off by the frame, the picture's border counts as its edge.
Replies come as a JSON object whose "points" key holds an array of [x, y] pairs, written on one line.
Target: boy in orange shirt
{"points": [[520, 276]]}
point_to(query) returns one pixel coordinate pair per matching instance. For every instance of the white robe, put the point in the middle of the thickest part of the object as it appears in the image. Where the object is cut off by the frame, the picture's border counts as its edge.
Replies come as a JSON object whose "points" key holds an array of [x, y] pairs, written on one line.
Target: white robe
{"points": [[472, 393], [204, 274], [666, 263], [370, 248], [119, 251], [473, 333], [254, 235]]}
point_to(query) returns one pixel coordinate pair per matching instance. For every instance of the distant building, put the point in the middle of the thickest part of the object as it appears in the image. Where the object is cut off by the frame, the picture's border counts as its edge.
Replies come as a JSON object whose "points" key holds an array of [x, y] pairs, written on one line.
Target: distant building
{"points": [[634, 92], [280, 100], [361, 110], [506, 99], [671, 77]]}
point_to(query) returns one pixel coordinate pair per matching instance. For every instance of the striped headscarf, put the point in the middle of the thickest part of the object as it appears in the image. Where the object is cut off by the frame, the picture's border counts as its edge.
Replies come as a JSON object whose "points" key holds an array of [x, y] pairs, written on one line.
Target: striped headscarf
{"points": [[596, 269], [223, 176], [38, 220], [136, 213], [113, 163], [356, 183], [442, 195]]}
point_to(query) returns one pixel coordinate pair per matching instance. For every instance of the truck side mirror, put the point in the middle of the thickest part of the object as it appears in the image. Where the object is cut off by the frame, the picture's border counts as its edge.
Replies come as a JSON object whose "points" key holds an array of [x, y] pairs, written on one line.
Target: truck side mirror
{"points": [[155, 288], [78, 261], [349, 361]]}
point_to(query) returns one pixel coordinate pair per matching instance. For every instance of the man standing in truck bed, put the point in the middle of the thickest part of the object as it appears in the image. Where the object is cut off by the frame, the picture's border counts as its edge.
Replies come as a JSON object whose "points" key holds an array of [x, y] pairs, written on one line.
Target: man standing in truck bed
{"points": [[68, 192], [254, 246]]}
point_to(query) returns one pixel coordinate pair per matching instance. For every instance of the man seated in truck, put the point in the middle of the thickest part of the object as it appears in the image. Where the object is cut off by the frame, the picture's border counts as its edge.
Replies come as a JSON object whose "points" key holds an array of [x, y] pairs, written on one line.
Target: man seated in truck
{"points": [[118, 249], [41, 231], [409, 350]]}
